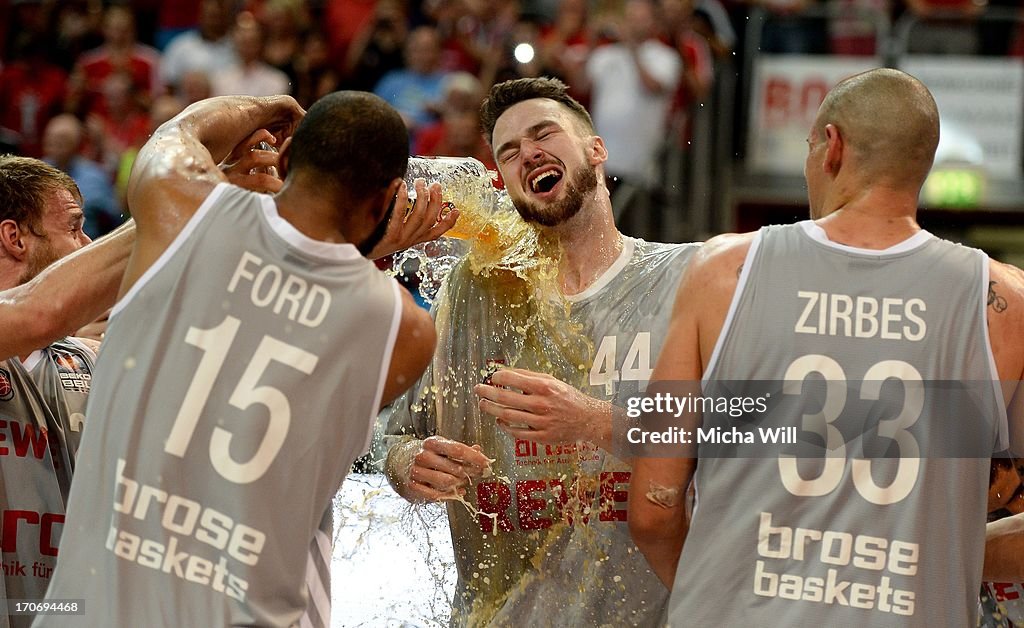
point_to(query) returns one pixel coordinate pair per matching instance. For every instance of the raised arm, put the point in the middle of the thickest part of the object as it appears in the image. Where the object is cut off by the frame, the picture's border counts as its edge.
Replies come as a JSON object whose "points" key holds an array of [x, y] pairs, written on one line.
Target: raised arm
{"points": [[66, 296], [178, 167]]}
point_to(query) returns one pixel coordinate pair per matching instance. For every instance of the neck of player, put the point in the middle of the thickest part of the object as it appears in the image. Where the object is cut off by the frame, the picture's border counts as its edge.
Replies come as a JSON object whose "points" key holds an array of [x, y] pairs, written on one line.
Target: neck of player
{"points": [[590, 243], [875, 218]]}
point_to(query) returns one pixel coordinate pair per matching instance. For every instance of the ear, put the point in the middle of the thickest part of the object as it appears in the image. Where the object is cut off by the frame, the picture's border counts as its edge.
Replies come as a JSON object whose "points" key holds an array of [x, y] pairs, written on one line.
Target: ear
{"points": [[388, 198], [597, 153], [282, 162], [833, 149], [12, 240]]}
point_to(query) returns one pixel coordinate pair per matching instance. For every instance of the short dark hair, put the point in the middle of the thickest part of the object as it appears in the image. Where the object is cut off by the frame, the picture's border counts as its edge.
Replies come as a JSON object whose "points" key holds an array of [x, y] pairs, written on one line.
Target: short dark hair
{"points": [[353, 139], [25, 184], [504, 95]]}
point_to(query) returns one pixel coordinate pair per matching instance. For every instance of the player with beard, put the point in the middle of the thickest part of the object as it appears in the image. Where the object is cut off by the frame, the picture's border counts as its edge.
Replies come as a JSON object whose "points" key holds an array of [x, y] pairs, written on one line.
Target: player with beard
{"points": [[43, 393], [537, 560]]}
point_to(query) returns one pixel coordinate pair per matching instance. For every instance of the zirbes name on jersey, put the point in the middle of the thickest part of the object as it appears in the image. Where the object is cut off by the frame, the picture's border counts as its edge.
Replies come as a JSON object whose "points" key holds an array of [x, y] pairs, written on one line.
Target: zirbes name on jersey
{"points": [[833, 557], [289, 295], [186, 521], [889, 318]]}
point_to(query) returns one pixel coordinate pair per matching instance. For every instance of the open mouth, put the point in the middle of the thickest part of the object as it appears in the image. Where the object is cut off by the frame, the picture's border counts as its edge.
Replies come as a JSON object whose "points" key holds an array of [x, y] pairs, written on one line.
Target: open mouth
{"points": [[545, 181]]}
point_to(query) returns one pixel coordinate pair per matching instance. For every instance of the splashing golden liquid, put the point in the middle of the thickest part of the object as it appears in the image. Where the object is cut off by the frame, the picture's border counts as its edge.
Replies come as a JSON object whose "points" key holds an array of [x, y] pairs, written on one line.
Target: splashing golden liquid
{"points": [[502, 303]]}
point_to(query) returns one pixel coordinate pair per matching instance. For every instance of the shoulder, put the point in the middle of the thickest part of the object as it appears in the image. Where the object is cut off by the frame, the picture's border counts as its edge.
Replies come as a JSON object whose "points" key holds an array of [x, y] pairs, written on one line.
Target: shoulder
{"points": [[664, 255], [1005, 288], [725, 252], [180, 44]]}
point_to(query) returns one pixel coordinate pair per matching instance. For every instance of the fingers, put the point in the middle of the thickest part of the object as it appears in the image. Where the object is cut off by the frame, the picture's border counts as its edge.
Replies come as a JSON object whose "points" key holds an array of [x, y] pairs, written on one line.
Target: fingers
{"points": [[529, 382], [443, 468], [523, 432], [443, 225], [258, 159], [259, 135], [257, 182], [425, 210], [506, 398], [471, 458], [422, 493]]}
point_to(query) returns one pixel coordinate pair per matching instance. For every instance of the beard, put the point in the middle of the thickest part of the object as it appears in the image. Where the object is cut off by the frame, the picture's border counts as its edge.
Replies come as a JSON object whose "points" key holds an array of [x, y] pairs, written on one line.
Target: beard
{"points": [[42, 255], [372, 240], [582, 183]]}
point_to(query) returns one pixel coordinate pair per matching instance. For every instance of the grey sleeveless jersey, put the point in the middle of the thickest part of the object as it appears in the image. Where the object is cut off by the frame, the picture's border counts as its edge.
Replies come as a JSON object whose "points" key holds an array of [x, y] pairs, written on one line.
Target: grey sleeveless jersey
{"points": [[852, 540], [524, 561], [239, 380], [42, 410]]}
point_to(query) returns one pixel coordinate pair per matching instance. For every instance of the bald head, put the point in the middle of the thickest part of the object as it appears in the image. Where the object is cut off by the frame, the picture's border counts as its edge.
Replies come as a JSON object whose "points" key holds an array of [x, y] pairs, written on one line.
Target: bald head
{"points": [[889, 120], [62, 138]]}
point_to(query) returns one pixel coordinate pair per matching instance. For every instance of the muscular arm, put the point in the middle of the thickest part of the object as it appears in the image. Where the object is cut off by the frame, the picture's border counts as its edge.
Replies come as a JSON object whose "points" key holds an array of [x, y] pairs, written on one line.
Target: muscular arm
{"points": [[1004, 539], [66, 296], [657, 514], [178, 167]]}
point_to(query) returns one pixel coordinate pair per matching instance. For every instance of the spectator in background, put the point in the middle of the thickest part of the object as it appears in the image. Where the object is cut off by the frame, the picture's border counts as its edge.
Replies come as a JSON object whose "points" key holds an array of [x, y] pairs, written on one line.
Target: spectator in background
{"points": [[207, 49], [378, 48], [62, 141], [788, 31], [680, 32], [343, 19], [119, 54], [632, 83], [73, 30], [458, 132], [565, 45], [711, 19], [853, 29], [249, 75], [416, 90], [32, 91], [194, 86], [284, 22], [173, 19], [515, 56], [120, 126], [455, 24], [315, 77], [163, 109], [937, 34]]}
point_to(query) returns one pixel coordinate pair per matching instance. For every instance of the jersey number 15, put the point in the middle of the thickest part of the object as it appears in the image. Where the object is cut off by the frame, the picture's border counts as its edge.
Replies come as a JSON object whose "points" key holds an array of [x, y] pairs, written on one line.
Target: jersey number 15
{"points": [[216, 345]]}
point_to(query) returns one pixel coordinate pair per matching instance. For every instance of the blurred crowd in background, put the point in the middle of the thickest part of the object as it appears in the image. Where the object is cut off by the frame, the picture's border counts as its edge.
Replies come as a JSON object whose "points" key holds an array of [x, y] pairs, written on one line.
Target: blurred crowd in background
{"points": [[84, 83]]}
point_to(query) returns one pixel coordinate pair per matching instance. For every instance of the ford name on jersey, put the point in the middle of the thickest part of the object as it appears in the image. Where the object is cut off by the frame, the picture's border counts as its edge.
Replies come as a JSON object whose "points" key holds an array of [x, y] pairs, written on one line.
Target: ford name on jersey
{"points": [[269, 287]]}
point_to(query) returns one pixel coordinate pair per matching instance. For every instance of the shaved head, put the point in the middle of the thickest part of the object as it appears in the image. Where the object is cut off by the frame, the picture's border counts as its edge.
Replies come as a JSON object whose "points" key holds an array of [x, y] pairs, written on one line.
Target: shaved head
{"points": [[888, 119]]}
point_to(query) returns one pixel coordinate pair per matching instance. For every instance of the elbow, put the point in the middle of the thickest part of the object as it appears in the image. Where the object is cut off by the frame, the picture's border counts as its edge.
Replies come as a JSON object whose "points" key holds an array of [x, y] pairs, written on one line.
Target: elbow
{"points": [[651, 526]]}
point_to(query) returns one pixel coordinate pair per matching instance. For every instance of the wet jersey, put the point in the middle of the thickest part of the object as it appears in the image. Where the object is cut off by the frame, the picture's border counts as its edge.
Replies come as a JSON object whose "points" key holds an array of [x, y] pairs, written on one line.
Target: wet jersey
{"points": [[550, 545], [849, 539], [42, 411], [240, 379]]}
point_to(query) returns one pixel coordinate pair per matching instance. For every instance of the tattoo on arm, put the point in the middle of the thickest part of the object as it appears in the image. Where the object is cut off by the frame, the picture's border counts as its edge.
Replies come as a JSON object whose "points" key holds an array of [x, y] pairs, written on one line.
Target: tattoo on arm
{"points": [[739, 271], [995, 301]]}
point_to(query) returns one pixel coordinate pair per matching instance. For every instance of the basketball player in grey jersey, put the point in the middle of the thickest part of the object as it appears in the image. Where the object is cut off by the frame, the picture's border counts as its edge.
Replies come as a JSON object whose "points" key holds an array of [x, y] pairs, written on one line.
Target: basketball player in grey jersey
{"points": [[185, 505], [774, 546], [41, 298], [527, 565], [42, 392]]}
